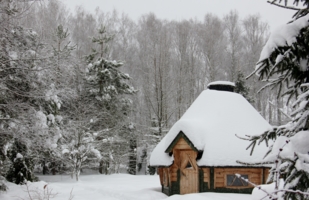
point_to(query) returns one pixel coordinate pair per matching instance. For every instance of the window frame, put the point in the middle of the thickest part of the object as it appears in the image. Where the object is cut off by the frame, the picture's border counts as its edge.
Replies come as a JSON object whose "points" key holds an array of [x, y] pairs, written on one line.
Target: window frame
{"points": [[244, 183]]}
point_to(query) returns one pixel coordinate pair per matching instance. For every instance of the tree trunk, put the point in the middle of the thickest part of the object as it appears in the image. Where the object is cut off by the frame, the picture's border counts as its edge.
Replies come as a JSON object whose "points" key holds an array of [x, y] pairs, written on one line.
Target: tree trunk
{"points": [[279, 106], [44, 168], [101, 166], [53, 164], [77, 175], [132, 157], [107, 168]]}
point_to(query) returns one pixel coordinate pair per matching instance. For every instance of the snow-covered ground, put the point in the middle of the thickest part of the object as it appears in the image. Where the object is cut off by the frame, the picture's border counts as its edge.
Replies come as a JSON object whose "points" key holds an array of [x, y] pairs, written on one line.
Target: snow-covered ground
{"points": [[107, 187]]}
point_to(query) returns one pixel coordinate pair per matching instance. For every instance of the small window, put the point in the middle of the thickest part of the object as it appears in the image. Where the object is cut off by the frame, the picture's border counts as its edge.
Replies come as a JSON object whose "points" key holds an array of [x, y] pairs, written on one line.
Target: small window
{"points": [[232, 180]]}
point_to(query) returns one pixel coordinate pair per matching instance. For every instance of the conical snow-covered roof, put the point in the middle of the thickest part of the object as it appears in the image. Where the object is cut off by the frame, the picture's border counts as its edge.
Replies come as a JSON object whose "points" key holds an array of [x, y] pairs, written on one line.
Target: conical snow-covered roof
{"points": [[211, 124]]}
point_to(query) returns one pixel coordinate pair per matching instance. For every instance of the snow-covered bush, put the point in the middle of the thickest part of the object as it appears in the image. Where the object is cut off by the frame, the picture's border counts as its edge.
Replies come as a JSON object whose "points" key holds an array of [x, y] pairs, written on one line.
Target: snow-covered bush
{"points": [[267, 191], [80, 152], [3, 186], [22, 167]]}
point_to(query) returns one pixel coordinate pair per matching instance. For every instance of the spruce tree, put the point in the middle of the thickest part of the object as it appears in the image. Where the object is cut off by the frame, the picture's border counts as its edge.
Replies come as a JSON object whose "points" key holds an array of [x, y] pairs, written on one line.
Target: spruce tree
{"points": [[241, 88], [22, 167], [107, 83], [284, 64], [17, 86], [108, 88], [28, 129], [58, 96]]}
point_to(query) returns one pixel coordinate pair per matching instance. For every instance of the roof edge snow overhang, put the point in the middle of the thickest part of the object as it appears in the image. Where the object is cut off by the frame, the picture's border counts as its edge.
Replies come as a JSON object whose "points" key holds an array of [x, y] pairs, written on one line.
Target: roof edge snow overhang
{"points": [[234, 166], [174, 142], [162, 165], [221, 166]]}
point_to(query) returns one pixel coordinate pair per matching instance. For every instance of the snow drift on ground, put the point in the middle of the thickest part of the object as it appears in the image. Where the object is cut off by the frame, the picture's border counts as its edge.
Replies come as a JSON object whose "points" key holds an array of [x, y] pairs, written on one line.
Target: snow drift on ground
{"points": [[108, 187], [259, 194]]}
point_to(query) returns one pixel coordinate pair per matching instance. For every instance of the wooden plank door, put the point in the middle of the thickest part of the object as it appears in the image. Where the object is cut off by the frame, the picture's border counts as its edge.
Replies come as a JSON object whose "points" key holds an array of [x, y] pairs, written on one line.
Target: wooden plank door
{"points": [[188, 172]]}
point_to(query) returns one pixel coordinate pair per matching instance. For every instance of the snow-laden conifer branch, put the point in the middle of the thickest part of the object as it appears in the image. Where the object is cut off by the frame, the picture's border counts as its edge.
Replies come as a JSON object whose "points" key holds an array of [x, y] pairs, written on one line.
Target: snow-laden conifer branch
{"points": [[284, 64], [255, 185], [270, 195], [266, 136], [285, 6], [281, 110]]}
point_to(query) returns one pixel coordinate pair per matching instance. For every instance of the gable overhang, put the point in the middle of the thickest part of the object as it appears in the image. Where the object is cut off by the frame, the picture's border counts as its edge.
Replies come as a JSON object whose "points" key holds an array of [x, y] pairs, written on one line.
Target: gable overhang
{"points": [[176, 139]]}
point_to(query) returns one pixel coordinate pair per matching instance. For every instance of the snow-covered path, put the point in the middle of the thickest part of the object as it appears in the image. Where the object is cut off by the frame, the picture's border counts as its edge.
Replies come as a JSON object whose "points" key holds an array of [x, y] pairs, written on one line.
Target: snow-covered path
{"points": [[111, 187]]}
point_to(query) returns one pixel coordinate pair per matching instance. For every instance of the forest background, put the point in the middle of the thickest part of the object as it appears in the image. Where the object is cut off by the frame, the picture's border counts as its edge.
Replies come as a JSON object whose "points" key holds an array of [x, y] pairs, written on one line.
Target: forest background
{"points": [[99, 90]]}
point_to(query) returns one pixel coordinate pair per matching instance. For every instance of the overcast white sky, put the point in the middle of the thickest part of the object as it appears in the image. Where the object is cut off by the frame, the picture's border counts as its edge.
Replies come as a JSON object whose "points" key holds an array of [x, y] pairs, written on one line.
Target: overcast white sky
{"points": [[186, 9]]}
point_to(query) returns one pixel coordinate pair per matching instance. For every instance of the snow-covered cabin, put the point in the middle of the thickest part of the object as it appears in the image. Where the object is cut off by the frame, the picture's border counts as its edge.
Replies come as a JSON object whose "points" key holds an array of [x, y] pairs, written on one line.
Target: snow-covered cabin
{"points": [[200, 151]]}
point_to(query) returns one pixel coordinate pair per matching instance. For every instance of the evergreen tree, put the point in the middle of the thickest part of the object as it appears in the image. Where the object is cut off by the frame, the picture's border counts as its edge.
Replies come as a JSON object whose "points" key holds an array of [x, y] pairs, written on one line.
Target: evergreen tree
{"points": [[284, 63], [17, 63], [241, 88], [21, 170], [108, 89], [106, 80], [131, 136], [29, 124], [3, 160], [58, 81]]}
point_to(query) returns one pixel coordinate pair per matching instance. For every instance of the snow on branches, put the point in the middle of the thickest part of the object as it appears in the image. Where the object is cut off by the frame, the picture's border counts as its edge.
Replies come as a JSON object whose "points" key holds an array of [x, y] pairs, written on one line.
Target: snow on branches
{"points": [[289, 151]]}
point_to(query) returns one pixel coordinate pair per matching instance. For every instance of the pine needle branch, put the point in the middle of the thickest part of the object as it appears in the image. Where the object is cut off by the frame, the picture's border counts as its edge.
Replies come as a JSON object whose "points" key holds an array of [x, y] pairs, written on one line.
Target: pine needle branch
{"points": [[281, 6], [254, 185], [273, 194]]}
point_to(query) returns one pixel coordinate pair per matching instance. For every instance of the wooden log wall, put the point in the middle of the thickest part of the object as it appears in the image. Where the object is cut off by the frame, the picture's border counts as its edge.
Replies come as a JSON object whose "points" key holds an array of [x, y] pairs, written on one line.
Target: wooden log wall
{"points": [[173, 178], [266, 173], [206, 175], [166, 177], [182, 144], [160, 172], [173, 173], [255, 175]]}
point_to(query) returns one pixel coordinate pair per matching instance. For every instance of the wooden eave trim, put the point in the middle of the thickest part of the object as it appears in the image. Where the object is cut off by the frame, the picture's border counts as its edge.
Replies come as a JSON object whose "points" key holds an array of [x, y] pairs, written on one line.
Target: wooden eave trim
{"points": [[208, 166], [174, 142]]}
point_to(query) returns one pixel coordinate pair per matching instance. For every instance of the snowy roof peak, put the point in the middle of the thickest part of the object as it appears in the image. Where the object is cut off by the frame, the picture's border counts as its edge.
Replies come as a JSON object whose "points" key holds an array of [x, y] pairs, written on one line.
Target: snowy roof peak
{"points": [[211, 123]]}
